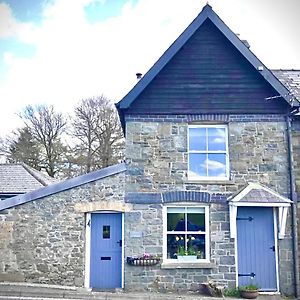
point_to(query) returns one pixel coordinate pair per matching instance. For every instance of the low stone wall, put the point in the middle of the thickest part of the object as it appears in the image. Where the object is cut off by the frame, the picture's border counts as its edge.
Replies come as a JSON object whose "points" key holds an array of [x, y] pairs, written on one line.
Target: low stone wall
{"points": [[43, 241]]}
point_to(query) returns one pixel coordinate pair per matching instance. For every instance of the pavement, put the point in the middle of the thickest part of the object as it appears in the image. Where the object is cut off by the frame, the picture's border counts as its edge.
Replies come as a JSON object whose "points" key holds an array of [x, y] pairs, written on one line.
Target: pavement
{"points": [[28, 291]]}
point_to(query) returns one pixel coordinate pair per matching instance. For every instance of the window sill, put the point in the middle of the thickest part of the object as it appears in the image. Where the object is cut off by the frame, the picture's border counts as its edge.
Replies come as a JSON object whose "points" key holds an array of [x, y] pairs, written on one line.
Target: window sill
{"points": [[200, 265], [210, 182]]}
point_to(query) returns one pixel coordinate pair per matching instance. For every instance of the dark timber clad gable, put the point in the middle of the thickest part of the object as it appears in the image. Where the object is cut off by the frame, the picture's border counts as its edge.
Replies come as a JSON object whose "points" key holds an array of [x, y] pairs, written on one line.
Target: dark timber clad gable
{"points": [[208, 74], [207, 69]]}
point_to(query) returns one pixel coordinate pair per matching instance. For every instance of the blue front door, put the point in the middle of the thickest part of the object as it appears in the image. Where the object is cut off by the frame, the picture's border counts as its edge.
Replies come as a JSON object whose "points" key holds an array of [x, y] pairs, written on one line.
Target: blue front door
{"points": [[256, 247], [106, 251]]}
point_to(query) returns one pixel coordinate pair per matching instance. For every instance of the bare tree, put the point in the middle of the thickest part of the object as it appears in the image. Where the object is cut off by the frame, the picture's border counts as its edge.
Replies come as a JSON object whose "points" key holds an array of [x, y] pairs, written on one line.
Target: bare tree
{"points": [[97, 127], [47, 127]]}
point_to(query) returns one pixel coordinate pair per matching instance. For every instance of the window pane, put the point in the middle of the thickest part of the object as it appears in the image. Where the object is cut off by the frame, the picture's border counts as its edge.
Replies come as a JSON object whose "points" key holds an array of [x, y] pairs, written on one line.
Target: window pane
{"points": [[216, 164], [196, 245], [195, 219], [216, 139], [197, 139], [197, 165], [174, 243], [106, 232], [176, 219]]}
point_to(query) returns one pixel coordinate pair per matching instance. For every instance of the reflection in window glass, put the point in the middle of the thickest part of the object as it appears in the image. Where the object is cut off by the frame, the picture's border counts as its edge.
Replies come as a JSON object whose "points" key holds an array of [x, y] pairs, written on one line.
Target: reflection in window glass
{"points": [[195, 219], [197, 139], [176, 221], [208, 152], [216, 165], [197, 165], [216, 139]]}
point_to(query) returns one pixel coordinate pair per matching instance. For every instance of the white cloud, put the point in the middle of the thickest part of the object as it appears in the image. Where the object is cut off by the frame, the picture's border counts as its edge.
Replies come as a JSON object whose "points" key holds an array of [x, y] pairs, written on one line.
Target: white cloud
{"points": [[213, 164], [8, 58], [9, 26], [76, 59]]}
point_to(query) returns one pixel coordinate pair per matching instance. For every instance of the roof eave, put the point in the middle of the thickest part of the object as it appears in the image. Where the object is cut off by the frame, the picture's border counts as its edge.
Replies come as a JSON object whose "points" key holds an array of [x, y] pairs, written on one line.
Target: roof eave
{"points": [[62, 186]]}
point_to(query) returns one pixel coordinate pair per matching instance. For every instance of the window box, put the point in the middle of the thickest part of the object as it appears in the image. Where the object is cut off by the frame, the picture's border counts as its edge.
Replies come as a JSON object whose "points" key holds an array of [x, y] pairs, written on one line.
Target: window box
{"points": [[187, 258], [143, 261]]}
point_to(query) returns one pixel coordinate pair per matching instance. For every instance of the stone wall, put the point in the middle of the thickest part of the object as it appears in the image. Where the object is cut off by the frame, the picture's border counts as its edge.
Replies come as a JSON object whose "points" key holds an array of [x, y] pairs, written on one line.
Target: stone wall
{"points": [[296, 154], [296, 160], [148, 219], [157, 156], [43, 241], [156, 152]]}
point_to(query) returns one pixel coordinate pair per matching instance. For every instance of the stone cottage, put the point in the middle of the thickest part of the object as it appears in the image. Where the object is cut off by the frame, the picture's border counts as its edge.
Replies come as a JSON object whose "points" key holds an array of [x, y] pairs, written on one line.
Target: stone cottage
{"points": [[207, 190]]}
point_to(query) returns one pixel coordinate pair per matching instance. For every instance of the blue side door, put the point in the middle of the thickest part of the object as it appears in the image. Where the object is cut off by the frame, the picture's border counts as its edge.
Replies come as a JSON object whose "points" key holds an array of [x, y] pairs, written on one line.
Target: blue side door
{"points": [[106, 251], [256, 247]]}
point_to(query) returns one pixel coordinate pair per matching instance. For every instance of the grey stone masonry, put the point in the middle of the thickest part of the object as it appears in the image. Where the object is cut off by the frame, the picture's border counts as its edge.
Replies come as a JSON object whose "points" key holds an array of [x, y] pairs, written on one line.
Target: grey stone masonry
{"points": [[296, 154], [157, 163], [147, 219], [156, 153], [43, 241]]}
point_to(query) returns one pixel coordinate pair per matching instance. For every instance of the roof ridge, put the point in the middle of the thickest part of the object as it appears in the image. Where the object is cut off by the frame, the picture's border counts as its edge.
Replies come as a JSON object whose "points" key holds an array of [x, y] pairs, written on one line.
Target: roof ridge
{"points": [[36, 174]]}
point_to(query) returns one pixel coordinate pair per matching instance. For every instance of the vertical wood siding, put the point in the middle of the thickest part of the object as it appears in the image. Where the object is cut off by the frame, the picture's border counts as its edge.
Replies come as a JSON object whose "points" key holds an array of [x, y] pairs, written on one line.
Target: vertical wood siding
{"points": [[208, 74]]}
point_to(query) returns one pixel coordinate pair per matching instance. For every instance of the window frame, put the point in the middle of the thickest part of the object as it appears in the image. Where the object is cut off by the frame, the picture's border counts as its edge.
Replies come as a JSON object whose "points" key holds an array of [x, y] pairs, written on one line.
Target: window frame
{"points": [[207, 233], [226, 152]]}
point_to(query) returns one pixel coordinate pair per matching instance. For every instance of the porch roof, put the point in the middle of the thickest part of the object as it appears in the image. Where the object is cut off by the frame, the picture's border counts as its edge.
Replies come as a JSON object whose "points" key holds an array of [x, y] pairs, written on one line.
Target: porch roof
{"points": [[256, 193]]}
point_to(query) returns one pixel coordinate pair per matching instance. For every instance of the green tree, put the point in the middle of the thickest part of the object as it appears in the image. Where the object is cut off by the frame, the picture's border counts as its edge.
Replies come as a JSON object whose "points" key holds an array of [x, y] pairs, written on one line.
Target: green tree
{"points": [[23, 147]]}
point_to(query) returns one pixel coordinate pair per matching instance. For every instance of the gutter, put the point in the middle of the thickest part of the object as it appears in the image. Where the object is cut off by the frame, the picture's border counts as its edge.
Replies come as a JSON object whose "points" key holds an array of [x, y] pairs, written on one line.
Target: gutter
{"points": [[293, 197]]}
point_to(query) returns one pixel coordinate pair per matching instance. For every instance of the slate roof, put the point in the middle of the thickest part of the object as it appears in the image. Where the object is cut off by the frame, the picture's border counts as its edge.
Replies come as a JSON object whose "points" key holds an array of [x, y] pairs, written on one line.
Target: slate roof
{"points": [[206, 13], [62, 186], [291, 79], [20, 178], [257, 193]]}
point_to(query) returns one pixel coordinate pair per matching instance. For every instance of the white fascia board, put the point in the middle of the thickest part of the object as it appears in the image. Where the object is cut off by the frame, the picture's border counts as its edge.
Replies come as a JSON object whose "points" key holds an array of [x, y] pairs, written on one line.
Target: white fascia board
{"points": [[257, 186], [260, 204]]}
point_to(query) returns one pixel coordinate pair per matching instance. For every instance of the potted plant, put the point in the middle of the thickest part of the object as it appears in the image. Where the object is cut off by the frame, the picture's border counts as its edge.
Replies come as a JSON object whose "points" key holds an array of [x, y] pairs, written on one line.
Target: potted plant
{"points": [[249, 291], [186, 255]]}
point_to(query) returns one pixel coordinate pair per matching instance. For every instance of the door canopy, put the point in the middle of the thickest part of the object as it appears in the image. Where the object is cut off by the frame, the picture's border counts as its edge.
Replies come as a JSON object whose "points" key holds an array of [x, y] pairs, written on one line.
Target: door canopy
{"points": [[257, 195]]}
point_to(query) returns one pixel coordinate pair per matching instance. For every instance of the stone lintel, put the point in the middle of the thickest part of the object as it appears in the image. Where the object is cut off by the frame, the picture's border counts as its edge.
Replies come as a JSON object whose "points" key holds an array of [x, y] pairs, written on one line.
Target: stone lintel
{"points": [[103, 205], [175, 196]]}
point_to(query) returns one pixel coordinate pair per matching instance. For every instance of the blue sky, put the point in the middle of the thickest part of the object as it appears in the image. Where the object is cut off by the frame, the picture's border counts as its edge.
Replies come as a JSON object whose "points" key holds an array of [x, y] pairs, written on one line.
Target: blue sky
{"points": [[60, 51]]}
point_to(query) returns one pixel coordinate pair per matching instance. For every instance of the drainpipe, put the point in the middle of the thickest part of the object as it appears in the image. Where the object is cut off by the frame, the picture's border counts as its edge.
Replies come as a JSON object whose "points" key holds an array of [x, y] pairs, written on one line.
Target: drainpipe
{"points": [[293, 197]]}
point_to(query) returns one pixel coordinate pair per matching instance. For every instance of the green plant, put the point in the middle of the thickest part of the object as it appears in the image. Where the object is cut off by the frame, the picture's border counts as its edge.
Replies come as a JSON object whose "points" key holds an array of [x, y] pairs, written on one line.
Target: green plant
{"points": [[182, 251], [249, 287], [233, 292]]}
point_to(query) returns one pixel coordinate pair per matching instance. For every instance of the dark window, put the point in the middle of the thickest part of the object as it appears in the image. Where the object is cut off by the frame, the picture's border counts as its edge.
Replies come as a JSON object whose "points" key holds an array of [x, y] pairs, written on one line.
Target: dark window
{"points": [[106, 231]]}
